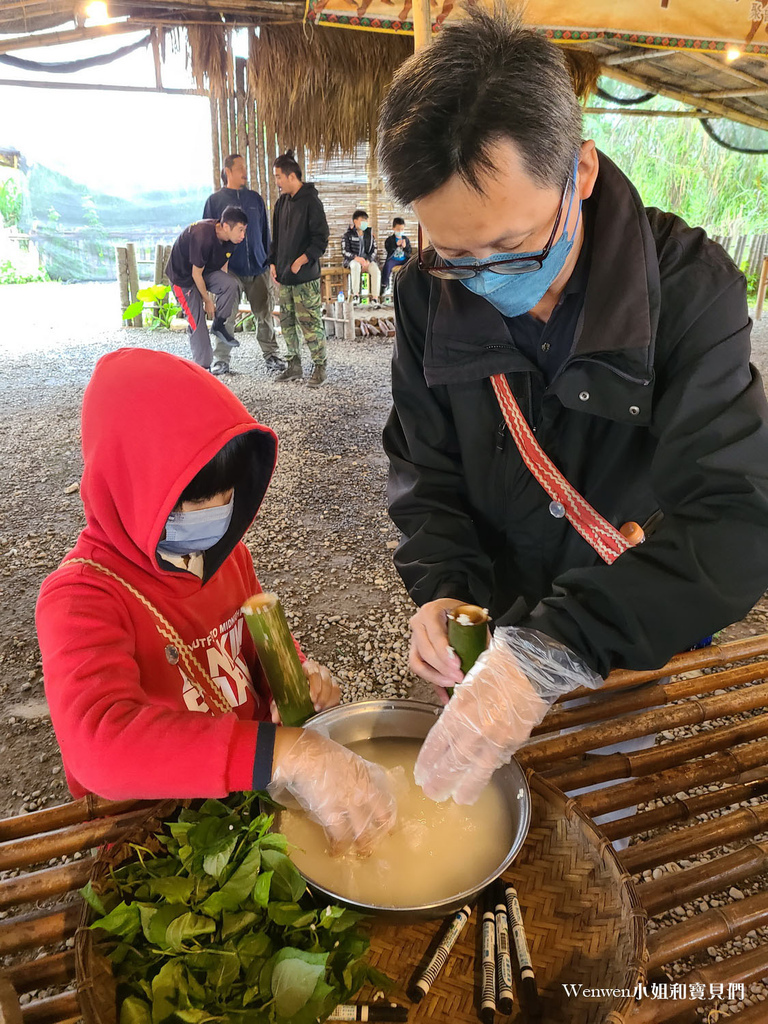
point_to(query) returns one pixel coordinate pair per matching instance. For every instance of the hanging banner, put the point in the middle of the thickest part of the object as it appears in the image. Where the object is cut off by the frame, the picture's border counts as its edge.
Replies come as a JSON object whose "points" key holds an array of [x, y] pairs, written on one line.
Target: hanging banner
{"points": [[707, 25]]}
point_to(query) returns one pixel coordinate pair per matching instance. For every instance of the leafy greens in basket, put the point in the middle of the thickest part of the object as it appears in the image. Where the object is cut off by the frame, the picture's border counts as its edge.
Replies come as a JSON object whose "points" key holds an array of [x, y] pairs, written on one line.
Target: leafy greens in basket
{"points": [[214, 923]]}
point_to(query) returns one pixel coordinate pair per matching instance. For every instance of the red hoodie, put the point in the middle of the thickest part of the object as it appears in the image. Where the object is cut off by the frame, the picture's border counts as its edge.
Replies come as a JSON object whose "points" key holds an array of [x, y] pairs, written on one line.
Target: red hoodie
{"points": [[128, 722]]}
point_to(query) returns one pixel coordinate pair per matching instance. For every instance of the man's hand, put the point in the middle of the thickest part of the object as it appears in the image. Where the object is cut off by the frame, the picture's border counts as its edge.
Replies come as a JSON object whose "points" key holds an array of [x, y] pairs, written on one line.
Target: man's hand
{"points": [[298, 263], [363, 263], [323, 689], [208, 305], [273, 272], [430, 656]]}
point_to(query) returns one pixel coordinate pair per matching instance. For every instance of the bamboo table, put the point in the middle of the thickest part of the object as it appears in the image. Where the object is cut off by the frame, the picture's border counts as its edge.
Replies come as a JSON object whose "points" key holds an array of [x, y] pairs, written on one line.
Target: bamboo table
{"points": [[730, 759]]}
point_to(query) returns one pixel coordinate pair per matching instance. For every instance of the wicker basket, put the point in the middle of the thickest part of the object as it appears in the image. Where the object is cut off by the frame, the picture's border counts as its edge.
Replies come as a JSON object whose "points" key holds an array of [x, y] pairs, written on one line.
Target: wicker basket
{"points": [[584, 922]]}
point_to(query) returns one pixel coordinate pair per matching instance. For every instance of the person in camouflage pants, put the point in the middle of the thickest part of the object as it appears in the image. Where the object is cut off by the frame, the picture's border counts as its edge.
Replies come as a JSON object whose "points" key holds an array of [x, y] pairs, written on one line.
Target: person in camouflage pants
{"points": [[300, 307]]}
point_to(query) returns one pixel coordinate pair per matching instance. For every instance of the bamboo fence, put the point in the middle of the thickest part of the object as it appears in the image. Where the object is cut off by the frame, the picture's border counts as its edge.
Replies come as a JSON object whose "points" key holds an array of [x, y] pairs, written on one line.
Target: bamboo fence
{"points": [[708, 792]]}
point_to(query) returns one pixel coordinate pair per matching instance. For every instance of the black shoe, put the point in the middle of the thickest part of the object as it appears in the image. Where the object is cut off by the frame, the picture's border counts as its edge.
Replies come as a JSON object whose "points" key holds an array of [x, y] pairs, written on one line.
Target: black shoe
{"points": [[274, 364], [219, 328], [219, 368]]}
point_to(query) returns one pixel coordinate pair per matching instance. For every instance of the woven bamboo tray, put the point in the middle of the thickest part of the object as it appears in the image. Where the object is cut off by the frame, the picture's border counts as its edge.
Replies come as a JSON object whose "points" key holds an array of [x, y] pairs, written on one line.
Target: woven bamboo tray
{"points": [[584, 922]]}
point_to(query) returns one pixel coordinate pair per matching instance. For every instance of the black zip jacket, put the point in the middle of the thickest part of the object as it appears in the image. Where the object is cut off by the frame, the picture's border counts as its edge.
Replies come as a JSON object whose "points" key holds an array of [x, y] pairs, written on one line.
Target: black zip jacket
{"points": [[353, 245], [655, 408], [299, 228]]}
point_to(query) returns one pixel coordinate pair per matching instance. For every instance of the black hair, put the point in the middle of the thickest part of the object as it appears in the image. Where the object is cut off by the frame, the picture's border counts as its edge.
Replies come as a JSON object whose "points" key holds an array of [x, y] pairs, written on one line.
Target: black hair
{"points": [[359, 213], [396, 221], [233, 215], [226, 470], [228, 164], [483, 80], [286, 163]]}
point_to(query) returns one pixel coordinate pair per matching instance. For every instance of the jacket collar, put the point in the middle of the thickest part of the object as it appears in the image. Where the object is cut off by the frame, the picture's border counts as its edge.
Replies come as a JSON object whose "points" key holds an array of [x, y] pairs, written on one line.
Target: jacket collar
{"points": [[468, 339]]}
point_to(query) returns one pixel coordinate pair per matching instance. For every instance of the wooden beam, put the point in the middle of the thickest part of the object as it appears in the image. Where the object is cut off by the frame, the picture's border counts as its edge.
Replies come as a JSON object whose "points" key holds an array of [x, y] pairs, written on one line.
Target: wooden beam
{"points": [[24, 84], [622, 57], [717, 109], [727, 69], [74, 35], [629, 112]]}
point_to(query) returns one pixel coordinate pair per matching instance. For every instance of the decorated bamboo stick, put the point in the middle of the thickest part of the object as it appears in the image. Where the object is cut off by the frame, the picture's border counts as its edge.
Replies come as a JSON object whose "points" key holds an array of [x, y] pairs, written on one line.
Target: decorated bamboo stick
{"points": [[650, 695], [682, 810], [692, 712], [57, 969], [706, 835], [279, 658], [40, 885], [39, 928], [675, 888], [62, 815], [56, 1009], [604, 767], [22, 853], [699, 772], [689, 661], [711, 928], [749, 967]]}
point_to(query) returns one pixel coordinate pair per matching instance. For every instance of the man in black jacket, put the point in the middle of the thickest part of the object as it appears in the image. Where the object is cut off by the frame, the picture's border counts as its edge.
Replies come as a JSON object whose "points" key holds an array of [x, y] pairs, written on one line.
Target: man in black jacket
{"points": [[358, 252], [622, 336], [299, 239]]}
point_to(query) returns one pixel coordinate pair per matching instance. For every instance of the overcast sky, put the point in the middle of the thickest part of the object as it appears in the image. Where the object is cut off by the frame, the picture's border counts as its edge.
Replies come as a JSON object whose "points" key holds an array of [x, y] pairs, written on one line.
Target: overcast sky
{"points": [[115, 142]]}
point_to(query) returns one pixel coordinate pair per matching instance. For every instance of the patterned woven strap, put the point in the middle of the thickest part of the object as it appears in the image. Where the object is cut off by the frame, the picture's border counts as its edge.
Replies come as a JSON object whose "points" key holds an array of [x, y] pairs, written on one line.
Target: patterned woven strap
{"points": [[607, 541], [195, 672]]}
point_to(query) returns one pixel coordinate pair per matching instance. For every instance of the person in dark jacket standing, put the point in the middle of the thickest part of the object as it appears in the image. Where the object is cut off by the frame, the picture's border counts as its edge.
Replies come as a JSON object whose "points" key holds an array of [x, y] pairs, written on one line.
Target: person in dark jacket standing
{"points": [[358, 251], [398, 249], [248, 264], [299, 239], [567, 362]]}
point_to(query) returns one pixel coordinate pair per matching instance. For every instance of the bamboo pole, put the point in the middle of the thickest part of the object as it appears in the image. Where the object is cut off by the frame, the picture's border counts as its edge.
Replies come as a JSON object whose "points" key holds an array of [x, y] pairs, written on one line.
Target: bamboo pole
{"points": [[41, 885], [692, 712], [240, 102], [749, 967], [706, 835], [231, 92], [711, 928], [48, 38], [757, 1013], [682, 810], [217, 160], [133, 278], [421, 16], [688, 661], [224, 131], [23, 853], [702, 771], [10, 1011], [66, 814], [40, 928], [675, 888], [156, 33], [761, 289], [266, 176], [604, 767], [255, 150], [121, 263], [159, 265], [52, 1009], [58, 969]]}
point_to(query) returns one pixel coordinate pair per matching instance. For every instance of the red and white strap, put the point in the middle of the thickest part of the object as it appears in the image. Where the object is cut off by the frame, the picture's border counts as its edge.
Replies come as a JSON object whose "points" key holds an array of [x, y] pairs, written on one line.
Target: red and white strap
{"points": [[607, 541]]}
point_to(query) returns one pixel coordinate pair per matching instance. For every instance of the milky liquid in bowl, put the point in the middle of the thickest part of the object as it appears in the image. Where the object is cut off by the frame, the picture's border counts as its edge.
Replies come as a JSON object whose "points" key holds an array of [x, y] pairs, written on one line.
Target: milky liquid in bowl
{"points": [[436, 850]]}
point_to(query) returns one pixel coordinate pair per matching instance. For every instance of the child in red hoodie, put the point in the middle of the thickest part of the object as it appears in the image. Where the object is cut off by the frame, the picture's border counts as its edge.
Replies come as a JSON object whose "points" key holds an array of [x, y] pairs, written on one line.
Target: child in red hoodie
{"points": [[152, 679]]}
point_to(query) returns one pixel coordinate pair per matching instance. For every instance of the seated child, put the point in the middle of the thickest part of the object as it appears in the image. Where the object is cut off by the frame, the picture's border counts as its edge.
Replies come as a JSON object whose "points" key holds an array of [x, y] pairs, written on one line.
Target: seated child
{"points": [[152, 679]]}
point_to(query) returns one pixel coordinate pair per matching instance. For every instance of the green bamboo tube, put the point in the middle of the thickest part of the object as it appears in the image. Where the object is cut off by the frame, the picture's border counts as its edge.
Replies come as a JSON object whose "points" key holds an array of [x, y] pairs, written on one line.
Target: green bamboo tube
{"points": [[468, 633], [279, 658]]}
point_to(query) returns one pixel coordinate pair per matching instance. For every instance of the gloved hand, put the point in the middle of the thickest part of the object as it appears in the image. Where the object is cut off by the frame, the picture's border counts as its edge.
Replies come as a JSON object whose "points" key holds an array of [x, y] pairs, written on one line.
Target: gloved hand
{"points": [[350, 797], [492, 712]]}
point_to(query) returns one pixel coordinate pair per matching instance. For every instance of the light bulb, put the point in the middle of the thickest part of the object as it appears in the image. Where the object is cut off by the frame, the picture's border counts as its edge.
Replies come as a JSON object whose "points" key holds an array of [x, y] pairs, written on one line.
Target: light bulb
{"points": [[96, 12], [732, 53]]}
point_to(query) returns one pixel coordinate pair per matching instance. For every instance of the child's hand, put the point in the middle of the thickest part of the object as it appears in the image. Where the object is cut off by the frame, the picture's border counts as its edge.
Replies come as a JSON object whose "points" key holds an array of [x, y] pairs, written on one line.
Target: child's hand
{"points": [[323, 690]]}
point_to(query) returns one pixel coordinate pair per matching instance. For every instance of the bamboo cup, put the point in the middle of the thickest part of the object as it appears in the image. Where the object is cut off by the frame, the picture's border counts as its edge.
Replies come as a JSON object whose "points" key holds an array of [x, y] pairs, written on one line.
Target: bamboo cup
{"points": [[468, 633], [279, 658]]}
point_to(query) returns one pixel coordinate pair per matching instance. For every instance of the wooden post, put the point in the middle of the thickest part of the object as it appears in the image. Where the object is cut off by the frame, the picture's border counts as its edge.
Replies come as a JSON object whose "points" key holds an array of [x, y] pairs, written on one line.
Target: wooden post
{"points": [[156, 57], [231, 94], [761, 289], [265, 171], [159, 265], [133, 278], [422, 24], [215, 152], [243, 147], [224, 132], [121, 262]]}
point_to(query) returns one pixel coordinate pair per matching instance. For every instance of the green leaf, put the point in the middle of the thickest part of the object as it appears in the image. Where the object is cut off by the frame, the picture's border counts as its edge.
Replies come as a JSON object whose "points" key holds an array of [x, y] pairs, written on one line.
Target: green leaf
{"points": [[255, 944], [214, 809], [293, 982], [168, 990], [234, 892], [187, 927], [260, 893], [124, 921], [233, 924], [174, 888], [93, 899], [133, 310], [290, 914], [134, 1010], [155, 921], [287, 883]]}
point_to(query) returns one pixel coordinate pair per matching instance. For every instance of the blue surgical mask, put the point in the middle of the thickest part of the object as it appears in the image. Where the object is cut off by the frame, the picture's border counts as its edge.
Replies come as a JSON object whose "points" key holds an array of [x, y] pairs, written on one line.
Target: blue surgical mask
{"points": [[363, 225], [515, 294], [398, 234], [197, 530]]}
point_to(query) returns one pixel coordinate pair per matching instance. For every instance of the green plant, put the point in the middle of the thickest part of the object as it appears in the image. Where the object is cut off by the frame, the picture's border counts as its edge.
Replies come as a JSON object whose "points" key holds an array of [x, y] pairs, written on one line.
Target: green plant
{"points": [[11, 199], [215, 924], [10, 275], [161, 312]]}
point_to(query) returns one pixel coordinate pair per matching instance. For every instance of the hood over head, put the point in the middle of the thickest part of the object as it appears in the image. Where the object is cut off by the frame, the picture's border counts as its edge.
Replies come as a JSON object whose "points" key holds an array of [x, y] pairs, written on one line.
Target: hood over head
{"points": [[150, 422]]}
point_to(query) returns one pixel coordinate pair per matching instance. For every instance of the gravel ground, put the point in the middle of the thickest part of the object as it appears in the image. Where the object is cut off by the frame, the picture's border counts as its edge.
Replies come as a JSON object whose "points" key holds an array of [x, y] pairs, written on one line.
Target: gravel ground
{"points": [[322, 539]]}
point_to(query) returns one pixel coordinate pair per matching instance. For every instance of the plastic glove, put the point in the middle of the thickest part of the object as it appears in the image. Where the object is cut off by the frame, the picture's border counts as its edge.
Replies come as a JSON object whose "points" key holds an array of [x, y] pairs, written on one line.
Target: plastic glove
{"points": [[351, 798], [492, 712]]}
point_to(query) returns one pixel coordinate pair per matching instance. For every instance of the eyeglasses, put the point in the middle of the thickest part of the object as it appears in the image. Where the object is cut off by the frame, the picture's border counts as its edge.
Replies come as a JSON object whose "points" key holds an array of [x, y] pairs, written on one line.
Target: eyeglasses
{"points": [[432, 263]]}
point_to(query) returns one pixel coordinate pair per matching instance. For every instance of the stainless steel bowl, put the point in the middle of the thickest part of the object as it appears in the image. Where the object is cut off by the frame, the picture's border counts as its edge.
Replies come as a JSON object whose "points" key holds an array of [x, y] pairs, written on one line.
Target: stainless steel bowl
{"points": [[410, 719]]}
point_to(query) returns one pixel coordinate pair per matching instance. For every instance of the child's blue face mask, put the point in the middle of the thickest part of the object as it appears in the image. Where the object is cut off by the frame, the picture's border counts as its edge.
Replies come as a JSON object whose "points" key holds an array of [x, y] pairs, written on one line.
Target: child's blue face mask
{"points": [[198, 530]]}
